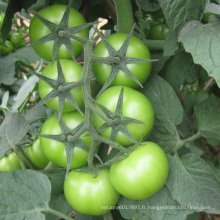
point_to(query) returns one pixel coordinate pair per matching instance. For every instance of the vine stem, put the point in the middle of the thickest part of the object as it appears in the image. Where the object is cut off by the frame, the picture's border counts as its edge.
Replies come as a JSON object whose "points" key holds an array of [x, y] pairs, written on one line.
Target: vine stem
{"points": [[59, 214], [181, 143], [124, 16]]}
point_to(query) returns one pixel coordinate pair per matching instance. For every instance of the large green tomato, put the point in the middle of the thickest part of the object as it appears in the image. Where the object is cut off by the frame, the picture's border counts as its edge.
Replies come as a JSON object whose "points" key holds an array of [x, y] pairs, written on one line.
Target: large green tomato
{"points": [[72, 73], [36, 155], [136, 49], [55, 150], [9, 163], [142, 173], [89, 195], [54, 14], [135, 105]]}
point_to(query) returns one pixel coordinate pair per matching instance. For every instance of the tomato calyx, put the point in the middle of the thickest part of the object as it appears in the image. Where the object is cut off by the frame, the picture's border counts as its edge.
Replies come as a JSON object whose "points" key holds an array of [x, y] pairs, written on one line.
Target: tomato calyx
{"points": [[122, 62], [119, 122], [57, 91], [55, 33], [69, 145]]}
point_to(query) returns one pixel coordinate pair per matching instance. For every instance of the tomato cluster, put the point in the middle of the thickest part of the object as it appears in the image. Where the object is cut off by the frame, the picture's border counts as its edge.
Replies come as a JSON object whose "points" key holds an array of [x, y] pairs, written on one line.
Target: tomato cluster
{"points": [[119, 115], [158, 27], [12, 43]]}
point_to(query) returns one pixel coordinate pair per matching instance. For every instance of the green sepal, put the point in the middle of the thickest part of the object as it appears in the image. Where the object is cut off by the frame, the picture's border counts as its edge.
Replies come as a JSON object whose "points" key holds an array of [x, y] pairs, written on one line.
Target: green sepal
{"points": [[121, 53], [62, 95]]}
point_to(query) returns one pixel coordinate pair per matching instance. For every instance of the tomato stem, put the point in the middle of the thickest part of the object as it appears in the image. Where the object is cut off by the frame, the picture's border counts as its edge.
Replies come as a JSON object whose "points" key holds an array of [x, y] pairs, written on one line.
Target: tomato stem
{"points": [[59, 214], [182, 143], [124, 15]]}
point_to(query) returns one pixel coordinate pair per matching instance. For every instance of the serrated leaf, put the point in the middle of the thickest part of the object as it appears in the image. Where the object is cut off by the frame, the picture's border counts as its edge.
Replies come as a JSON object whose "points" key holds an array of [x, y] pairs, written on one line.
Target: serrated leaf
{"points": [[160, 206], [12, 130], [180, 69], [149, 5], [202, 41], [208, 117], [192, 183], [170, 45], [36, 114], [168, 111], [7, 70], [178, 12], [28, 195], [26, 54], [25, 91]]}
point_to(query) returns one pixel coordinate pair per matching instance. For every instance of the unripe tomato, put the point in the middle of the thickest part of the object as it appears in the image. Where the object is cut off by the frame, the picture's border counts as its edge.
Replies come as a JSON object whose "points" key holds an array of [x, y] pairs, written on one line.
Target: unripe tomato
{"points": [[142, 173], [89, 195], [15, 39], [72, 73], [55, 150], [10, 162], [136, 49], [135, 105], [6, 50], [54, 14], [36, 155]]}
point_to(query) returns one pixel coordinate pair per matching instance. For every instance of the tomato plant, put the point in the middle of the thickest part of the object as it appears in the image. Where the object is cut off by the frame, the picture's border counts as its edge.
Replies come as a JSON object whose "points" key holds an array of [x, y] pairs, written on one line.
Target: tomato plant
{"points": [[54, 14], [111, 150], [36, 155], [135, 105], [52, 127], [142, 173], [9, 163], [89, 195], [136, 49], [72, 72]]}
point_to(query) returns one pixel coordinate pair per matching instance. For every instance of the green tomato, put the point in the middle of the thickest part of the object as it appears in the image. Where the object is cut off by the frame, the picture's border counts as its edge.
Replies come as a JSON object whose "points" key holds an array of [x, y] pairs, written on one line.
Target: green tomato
{"points": [[55, 150], [36, 155], [142, 173], [9, 163], [6, 50], [72, 73], [15, 39], [136, 49], [158, 31], [54, 14], [135, 105], [89, 195]]}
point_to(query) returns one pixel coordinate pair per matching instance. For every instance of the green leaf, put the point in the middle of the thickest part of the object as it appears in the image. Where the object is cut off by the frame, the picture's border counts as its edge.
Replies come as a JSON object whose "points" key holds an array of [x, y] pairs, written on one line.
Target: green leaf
{"points": [[160, 206], [149, 5], [192, 183], [208, 117], [178, 12], [179, 69], [26, 54], [158, 65], [24, 194], [60, 204], [7, 70], [202, 41], [36, 114], [25, 91], [167, 109], [12, 130], [170, 45]]}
